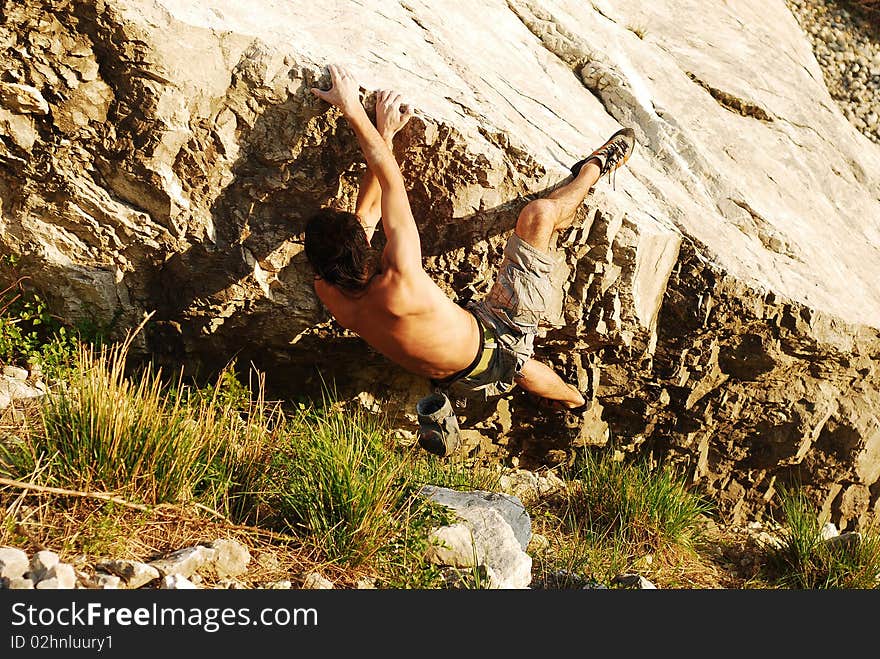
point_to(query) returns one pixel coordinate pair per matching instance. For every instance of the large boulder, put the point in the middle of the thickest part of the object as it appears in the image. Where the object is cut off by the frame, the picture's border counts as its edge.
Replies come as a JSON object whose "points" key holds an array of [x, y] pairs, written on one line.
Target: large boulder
{"points": [[721, 297], [488, 535]]}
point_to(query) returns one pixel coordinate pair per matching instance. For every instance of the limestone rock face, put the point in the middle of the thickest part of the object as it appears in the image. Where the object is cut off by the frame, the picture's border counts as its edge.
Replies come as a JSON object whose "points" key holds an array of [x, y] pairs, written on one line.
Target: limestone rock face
{"points": [[721, 297]]}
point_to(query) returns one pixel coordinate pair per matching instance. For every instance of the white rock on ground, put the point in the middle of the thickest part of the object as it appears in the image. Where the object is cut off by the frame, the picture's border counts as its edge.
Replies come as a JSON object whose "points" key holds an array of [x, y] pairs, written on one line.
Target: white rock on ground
{"points": [[829, 530], [13, 389], [483, 536], [59, 576], [316, 581], [177, 582], [508, 506], [41, 563], [18, 583], [108, 581], [15, 372], [185, 562], [231, 558], [13, 563], [482, 539], [529, 486], [135, 573]]}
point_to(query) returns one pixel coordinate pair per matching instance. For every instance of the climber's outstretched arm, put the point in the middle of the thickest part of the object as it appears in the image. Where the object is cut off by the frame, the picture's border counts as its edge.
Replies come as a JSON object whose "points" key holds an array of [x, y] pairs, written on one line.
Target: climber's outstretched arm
{"points": [[403, 249], [391, 116], [368, 207]]}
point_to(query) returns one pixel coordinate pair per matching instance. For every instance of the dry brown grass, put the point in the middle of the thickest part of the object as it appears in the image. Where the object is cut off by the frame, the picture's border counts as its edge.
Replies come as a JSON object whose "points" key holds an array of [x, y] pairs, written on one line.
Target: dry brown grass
{"points": [[723, 559], [19, 419], [84, 532]]}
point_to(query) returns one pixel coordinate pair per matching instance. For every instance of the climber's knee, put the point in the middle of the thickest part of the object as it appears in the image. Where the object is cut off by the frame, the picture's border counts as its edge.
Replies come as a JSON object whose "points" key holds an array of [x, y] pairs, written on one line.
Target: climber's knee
{"points": [[537, 221]]}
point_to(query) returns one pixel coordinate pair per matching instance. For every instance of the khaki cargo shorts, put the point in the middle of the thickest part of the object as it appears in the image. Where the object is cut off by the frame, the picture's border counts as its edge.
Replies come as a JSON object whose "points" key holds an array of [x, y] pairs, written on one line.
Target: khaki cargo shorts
{"points": [[511, 311]]}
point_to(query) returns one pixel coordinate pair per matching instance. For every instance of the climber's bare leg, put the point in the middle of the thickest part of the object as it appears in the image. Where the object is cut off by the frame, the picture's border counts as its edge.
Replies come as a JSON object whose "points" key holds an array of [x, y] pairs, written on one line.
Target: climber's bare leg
{"points": [[540, 218], [536, 223], [541, 380]]}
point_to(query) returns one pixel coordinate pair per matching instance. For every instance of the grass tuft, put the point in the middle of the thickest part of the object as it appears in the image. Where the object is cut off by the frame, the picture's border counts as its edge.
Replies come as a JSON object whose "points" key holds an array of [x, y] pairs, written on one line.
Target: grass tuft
{"points": [[805, 560], [638, 30], [646, 508], [139, 436], [107, 432], [336, 480]]}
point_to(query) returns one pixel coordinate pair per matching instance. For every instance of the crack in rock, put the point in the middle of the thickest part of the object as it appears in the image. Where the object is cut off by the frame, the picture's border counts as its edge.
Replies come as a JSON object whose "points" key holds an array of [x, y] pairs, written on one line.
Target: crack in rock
{"points": [[732, 102]]}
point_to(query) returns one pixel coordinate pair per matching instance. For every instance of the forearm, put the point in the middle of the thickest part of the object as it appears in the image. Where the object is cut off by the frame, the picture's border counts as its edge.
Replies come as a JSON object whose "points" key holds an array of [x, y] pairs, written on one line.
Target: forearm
{"points": [[376, 149], [369, 201]]}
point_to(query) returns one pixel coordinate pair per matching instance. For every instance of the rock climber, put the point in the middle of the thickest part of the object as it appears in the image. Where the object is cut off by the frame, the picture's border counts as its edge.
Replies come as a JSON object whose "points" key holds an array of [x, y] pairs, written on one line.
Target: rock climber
{"points": [[390, 301]]}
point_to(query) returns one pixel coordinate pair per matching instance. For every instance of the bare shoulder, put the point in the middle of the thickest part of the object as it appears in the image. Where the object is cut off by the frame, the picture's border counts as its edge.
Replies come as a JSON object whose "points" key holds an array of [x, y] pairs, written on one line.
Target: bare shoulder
{"points": [[407, 279], [329, 295], [409, 290]]}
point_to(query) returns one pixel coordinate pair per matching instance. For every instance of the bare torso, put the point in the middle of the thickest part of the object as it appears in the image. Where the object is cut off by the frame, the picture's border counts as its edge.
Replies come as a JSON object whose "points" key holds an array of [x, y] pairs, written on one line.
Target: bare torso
{"points": [[409, 320]]}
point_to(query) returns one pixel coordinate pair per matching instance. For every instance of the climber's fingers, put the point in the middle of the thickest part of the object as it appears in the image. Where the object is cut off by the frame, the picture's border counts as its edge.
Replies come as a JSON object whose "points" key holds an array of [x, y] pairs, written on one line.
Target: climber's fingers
{"points": [[334, 75], [391, 113], [385, 98], [338, 74], [392, 101], [344, 90]]}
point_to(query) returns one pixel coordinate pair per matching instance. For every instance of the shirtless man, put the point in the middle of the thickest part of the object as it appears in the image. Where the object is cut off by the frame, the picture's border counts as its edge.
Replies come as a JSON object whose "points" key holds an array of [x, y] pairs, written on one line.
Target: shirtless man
{"points": [[391, 302]]}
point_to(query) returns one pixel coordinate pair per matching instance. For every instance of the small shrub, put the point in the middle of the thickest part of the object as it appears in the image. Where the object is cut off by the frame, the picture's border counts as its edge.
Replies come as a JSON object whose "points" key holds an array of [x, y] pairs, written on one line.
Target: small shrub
{"points": [[31, 334]]}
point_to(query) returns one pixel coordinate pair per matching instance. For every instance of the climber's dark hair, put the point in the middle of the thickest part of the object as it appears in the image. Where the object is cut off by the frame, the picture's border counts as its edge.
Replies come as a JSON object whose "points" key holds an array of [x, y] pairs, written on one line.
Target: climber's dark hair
{"points": [[337, 248]]}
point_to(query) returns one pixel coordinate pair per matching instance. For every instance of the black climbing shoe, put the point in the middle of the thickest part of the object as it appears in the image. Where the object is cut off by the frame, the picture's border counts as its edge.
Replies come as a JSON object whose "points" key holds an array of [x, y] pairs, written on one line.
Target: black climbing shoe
{"points": [[611, 155]]}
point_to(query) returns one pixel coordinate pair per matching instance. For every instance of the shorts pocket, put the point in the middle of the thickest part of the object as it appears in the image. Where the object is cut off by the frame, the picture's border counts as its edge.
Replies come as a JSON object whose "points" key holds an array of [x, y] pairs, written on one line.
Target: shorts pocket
{"points": [[527, 301]]}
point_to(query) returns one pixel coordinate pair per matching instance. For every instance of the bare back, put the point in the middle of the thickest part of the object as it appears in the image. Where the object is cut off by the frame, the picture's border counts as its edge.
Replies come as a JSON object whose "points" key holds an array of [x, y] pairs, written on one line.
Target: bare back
{"points": [[407, 318], [402, 313]]}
